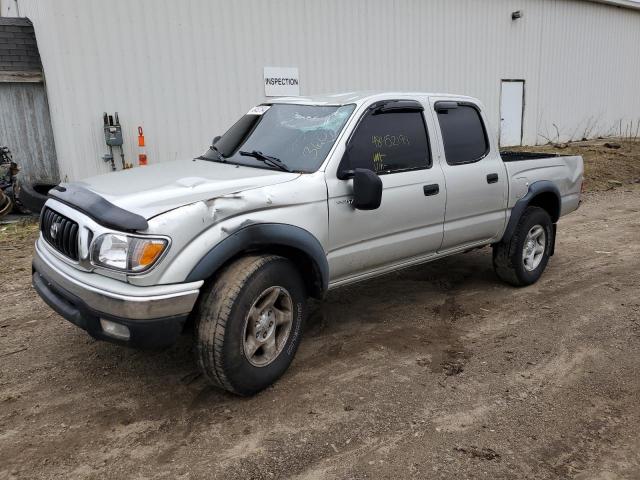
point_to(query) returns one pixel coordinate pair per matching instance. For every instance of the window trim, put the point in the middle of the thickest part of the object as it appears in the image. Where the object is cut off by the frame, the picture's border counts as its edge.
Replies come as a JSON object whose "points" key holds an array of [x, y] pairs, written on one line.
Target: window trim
{"points": [[482, 123], [370, 110]]}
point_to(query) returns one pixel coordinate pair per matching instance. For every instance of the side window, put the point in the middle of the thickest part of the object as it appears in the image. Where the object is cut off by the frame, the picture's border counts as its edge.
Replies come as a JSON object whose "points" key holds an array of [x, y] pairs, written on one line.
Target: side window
{"points": [[463, 134], [390, 142]]}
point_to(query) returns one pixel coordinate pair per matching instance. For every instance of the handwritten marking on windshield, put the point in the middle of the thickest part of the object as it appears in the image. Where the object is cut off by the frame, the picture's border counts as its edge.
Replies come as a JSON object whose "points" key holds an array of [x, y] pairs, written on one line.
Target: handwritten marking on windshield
{"points": [[323, 137]]}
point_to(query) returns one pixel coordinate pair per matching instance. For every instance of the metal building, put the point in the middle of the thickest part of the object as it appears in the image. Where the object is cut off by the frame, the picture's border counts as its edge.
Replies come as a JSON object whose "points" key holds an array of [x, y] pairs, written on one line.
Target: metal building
{"points": [[550, 69]]}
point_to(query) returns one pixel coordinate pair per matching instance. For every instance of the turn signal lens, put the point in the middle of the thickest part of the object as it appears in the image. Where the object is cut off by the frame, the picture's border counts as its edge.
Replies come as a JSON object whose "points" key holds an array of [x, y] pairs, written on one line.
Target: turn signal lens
{"points": [[146, 253]]}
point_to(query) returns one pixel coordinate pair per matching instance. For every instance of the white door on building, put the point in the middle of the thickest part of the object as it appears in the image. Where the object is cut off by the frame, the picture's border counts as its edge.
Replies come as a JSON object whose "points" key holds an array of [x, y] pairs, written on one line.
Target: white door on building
{"points": [[511, 112]]}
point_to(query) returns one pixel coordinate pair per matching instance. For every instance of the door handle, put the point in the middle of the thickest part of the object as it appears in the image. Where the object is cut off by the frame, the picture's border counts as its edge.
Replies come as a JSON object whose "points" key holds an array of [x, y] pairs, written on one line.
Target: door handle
{"points": [[432, 189], [492, 178]]}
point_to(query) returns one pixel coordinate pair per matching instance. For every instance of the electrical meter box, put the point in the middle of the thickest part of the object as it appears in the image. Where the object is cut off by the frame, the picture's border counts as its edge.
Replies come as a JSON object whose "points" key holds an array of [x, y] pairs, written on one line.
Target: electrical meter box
{"points": [[112, 131]]}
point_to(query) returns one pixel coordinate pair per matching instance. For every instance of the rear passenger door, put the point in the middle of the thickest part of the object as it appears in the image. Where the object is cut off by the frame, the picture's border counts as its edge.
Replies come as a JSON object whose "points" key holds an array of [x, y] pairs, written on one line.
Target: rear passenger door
{"points": [[475, 176], [394, 143]]}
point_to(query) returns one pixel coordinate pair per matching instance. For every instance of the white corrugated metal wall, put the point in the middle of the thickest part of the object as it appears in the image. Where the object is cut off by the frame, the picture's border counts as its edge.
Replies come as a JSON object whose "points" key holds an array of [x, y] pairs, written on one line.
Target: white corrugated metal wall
{"points": [[185, 70]]}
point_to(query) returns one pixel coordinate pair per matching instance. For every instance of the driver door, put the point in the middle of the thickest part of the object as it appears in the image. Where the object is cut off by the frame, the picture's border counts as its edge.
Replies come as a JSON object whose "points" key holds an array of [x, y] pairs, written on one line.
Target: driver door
{"points": [[392, 141]]}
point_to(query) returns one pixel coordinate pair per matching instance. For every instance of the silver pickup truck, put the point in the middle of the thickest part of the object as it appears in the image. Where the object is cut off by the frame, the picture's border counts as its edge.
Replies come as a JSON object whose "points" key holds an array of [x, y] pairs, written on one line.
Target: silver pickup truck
{"points": [[300, 196]]}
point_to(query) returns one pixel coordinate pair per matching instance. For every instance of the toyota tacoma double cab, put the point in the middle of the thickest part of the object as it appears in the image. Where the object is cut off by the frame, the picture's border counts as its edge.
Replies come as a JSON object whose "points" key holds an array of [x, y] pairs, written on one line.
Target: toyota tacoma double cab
{"points": [[300, 196]]}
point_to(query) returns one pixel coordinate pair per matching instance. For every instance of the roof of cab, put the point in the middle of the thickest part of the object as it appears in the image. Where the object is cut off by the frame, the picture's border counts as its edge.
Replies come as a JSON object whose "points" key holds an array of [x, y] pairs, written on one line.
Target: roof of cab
{"points": [[359, 97]]}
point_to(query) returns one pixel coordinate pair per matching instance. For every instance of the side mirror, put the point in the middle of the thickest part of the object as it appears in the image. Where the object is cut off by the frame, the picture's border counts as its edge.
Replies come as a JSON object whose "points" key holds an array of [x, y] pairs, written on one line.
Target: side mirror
{"points": [[215, 139], [367, 189]]}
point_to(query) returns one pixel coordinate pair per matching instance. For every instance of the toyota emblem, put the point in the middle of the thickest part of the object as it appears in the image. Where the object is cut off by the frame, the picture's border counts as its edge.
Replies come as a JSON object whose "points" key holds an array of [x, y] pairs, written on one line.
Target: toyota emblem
{"points": [[54, 230]]}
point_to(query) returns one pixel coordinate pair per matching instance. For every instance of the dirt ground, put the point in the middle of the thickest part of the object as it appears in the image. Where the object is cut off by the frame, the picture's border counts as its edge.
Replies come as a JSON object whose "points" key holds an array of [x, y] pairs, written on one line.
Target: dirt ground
{"points": [[439, 371]]}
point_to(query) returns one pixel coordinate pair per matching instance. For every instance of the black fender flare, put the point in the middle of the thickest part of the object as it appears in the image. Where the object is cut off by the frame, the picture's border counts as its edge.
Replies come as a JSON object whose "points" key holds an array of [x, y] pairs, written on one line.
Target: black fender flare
{"points": [[266, 236], [535, 189]]}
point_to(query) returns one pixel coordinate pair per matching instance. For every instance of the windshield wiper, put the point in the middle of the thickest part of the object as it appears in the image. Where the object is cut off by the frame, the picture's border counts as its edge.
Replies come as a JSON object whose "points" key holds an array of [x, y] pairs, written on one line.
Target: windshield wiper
{"points": [[268, 159], [218, 154]]}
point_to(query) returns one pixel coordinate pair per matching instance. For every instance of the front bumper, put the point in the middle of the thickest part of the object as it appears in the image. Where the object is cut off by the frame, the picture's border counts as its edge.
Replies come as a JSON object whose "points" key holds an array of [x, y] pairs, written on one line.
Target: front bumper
{"points": [[154, 316]]}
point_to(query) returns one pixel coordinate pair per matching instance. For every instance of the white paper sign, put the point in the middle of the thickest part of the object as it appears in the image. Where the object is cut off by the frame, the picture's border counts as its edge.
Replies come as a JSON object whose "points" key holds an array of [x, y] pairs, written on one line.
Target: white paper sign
{"points": [[281, 82], [259, 110]]}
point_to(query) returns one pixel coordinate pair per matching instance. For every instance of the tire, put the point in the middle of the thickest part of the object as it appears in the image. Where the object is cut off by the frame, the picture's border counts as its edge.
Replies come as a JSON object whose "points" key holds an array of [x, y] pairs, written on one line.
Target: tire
{"points": [[34, 195], [225, 335], [511, 262], [6, 205]]}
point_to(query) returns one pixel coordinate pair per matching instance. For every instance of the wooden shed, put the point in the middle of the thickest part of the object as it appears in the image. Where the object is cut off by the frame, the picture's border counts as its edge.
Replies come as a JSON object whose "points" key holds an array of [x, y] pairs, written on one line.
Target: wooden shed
{"points": [[25, 123]]}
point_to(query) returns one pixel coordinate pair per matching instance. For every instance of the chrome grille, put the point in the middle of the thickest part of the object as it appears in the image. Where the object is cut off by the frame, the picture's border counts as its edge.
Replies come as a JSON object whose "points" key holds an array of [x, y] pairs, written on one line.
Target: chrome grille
{"points": [[60, 232]]}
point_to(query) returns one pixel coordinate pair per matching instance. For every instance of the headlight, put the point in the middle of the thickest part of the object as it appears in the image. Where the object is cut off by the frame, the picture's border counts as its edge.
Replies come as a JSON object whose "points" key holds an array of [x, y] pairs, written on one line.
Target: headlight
{"points": [[127, 253]]}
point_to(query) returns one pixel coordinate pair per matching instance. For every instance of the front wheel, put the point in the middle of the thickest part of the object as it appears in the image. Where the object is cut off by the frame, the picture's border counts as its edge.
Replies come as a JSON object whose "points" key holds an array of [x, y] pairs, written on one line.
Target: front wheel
{"points": [[521, 260], [249, 323]]}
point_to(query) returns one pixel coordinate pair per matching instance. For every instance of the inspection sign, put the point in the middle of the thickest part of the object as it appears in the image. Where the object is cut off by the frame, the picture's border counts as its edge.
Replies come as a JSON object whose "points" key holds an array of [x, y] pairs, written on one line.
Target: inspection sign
{"points": [[281, 82]]}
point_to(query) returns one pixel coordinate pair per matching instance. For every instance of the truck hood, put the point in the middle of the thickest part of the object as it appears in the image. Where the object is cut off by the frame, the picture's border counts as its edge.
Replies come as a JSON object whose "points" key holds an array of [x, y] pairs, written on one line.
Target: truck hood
{"points": [[151, 190]]}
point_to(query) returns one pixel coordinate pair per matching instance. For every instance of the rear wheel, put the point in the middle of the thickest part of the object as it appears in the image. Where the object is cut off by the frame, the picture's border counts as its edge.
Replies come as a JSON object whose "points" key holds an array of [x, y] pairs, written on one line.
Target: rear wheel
{"points": [[249, 323], [521, 260]]}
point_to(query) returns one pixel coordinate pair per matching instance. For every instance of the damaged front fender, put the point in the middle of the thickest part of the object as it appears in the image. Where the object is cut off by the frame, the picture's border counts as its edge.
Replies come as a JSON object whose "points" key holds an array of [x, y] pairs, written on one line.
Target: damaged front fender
{"points": [[198, 228], [265, 235]]}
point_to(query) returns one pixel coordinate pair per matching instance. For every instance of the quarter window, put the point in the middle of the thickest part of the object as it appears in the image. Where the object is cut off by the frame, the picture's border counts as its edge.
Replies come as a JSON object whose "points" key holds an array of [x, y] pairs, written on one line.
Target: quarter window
{"points": [[463, 134], [389, 142]]}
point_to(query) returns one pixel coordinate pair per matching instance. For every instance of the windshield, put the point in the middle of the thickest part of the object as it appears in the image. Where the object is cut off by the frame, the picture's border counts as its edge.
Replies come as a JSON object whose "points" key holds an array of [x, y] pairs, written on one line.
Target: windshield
{"points": [[299, 136]]}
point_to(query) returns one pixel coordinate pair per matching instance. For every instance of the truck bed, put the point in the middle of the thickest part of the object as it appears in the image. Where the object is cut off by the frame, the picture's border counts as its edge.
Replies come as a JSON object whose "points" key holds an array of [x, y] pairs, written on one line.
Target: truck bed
{"points": [[565, 171]]}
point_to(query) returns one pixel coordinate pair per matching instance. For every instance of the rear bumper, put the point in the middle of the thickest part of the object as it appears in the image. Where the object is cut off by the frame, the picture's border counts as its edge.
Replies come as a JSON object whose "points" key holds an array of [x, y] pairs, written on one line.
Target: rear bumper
{"points": [[153, 318]]}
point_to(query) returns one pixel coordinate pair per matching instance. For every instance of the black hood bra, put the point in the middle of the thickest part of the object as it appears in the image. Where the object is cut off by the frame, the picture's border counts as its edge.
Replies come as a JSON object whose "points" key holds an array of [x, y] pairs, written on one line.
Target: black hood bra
{"points": [[99, 209]]}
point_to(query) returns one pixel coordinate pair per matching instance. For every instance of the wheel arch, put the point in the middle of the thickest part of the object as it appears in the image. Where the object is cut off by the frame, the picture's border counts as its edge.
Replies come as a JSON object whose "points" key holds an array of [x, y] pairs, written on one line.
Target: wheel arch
{"points": [[289, 241], [543, 194]]}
